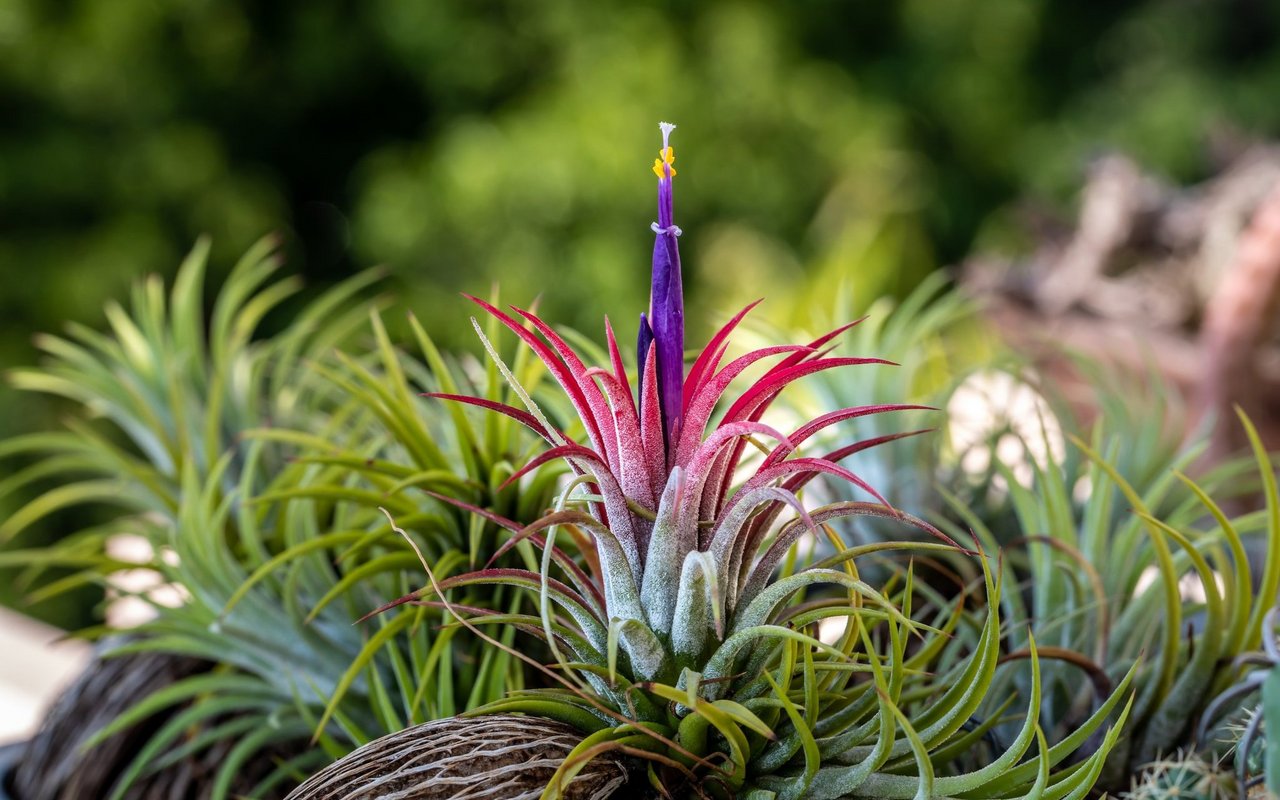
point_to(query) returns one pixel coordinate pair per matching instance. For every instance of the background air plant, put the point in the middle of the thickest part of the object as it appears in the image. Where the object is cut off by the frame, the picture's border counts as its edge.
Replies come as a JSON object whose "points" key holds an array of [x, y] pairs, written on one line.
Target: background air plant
{"points": [[1118, 558], [1118, 584], [254, 469], [161, 404], [388, 447], [1125, 562], [935, 340]]}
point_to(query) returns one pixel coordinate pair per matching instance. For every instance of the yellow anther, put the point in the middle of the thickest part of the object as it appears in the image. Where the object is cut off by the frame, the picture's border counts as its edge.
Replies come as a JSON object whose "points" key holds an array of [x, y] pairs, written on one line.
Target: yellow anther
{"points": [[669, 153]]}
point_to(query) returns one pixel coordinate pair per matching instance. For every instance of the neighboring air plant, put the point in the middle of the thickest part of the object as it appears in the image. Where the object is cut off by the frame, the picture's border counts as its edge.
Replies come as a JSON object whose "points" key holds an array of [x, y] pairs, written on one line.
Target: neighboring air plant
{"points": [[934, 337], [384, 447], [159, 405], [255, 468], [1001, 414], [1120, 558], [1154, 579], [689, 638]]}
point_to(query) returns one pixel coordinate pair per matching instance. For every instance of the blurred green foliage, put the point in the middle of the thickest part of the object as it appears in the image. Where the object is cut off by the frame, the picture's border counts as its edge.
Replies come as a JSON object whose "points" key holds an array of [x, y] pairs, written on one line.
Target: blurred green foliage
{"points": [[462, 142]]}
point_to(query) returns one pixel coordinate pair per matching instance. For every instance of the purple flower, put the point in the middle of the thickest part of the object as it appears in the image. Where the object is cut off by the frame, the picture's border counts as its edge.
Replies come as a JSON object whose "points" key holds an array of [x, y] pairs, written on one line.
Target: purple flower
{"points": [[664, 325]]}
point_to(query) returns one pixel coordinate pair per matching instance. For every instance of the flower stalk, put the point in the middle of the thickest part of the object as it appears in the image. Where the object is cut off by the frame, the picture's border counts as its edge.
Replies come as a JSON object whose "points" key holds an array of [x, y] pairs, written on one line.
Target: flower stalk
{"points": [[662, 331]]}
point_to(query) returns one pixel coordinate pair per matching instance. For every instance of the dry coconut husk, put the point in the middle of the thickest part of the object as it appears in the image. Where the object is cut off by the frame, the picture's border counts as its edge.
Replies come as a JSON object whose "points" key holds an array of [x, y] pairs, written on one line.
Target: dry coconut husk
{"points": [[55, 766], [471, 758]]}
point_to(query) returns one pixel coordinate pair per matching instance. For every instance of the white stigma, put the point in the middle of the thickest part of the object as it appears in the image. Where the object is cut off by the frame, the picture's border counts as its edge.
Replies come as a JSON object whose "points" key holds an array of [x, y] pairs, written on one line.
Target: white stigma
{"points": [[666, 128]]}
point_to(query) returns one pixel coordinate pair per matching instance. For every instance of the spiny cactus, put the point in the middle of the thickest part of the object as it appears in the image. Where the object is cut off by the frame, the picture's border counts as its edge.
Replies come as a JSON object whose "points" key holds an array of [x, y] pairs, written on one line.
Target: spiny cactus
{"points": [[1249, 743], [1246, 725], [1187, 776]]}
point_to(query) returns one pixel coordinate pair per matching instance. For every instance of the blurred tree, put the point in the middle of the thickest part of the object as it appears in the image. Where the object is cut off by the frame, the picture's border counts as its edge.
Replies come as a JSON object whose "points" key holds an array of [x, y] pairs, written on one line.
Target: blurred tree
{"points": [[462, 142]]}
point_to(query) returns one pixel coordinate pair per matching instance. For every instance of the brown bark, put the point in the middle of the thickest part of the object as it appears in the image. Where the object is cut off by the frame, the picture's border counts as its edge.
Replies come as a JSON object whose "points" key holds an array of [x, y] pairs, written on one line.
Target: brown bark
{"points": [[1185, 280]]}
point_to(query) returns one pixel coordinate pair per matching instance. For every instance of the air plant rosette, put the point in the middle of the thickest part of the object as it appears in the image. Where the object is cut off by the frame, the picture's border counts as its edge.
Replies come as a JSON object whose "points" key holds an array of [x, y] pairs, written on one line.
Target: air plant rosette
{"points": [[252, 467], [155, 409], [680, 598]]}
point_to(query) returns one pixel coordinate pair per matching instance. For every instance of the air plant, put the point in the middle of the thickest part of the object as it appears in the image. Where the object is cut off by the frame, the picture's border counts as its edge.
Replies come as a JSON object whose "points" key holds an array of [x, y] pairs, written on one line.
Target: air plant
{"points": [[152, 446], [1121, 560], [1000, 413], [1114, 585], [685, 631], [936, 340], [386, 448], [254, 468]]}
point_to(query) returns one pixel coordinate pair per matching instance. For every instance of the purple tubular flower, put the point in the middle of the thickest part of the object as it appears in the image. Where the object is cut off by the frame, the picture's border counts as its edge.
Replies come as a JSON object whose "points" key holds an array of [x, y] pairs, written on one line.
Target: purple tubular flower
{"points": [[666, 297], [642, 349]]}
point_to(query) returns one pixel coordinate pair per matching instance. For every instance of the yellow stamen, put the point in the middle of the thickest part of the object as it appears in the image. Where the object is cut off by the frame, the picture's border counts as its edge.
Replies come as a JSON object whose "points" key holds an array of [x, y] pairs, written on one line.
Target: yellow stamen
{"points": [[669, 154]]}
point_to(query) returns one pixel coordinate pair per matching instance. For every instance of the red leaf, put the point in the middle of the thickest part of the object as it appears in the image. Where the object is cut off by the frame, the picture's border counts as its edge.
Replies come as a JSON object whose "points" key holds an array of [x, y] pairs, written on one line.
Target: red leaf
{"points": [[559, 370], [709, 358], [601, 413], [519, 415], [702, 404], [651, 433], [619, 371], [826, 420], [778, 379]]}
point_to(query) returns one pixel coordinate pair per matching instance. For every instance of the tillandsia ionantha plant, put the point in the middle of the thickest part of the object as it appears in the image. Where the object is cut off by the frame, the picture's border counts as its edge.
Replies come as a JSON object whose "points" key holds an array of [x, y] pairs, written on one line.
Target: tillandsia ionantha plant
{"points": [[152, 447], [687, 630], [1128, 563], [1121, 559], [254, 468]]}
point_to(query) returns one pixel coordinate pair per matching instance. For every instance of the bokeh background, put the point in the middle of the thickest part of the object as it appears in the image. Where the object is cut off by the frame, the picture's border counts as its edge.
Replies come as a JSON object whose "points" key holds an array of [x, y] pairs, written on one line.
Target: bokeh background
{"points": [[460, 143]]}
